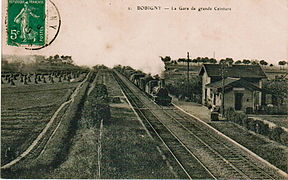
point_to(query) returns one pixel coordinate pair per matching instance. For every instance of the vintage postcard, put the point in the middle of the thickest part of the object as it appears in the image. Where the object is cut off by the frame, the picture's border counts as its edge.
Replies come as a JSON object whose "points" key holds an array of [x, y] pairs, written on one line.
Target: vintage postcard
{"points": [[158, 89]]}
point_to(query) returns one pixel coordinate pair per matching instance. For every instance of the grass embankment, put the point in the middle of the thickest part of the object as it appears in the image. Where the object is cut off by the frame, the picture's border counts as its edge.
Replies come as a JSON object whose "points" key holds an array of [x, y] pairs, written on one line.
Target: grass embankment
{"points": [[57, 148], [271, 151], [127, 151], [82, 161]]}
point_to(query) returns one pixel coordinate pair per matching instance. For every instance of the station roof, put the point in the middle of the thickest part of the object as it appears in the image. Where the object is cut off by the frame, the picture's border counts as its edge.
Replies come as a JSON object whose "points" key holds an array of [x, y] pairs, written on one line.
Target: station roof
{"points": [[235, 71], [233, 82]]}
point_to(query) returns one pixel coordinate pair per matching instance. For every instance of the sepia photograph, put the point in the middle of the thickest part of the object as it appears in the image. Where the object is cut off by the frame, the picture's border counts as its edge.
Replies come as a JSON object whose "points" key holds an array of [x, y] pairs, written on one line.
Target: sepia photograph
{"points": [[158, 89]]}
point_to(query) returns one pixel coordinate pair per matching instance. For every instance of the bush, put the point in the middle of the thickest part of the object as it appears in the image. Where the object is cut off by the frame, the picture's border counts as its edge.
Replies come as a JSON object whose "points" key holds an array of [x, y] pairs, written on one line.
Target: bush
{"points": [[230, 114], [172, 89], [115, 100], [100, 91], [249, 110], [263, 128], [284, 138], [245, 122], [275, 110], [276, 134], [239, 117], [236, 117], [252, 125], [96, 107], [187, 90]]}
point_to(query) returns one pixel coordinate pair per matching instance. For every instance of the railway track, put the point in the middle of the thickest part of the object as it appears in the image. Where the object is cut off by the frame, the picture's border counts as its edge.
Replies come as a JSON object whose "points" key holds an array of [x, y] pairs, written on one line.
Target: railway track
{"points": [[174, 146], [195, 148], [225, 154]]}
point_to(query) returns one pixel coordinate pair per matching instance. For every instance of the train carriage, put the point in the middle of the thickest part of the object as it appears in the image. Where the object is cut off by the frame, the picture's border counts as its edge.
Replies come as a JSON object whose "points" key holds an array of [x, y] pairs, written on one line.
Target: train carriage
{"points": [[153, 86], [135, 78]]}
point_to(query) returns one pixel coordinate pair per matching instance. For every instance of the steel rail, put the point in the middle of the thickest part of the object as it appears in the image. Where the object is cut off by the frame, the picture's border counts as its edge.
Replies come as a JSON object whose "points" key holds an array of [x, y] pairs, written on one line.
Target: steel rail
{"points": [[154, 130], [226, 146], [214, 150]]}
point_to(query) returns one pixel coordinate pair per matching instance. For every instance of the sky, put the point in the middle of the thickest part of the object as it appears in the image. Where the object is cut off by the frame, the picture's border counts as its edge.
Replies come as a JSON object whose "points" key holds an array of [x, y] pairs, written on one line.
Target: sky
{"points": [[106, 32]]}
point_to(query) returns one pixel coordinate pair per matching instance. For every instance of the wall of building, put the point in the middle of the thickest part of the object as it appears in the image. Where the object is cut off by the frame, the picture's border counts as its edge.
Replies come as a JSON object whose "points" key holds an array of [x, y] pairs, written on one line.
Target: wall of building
{"points": [[247, 99], [205, 80], [259, 83], [218, 100]]}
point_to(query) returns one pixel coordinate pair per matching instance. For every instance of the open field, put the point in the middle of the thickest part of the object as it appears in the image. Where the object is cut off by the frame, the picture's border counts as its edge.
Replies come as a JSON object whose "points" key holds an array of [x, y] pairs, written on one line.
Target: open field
{"points": [[25, 110], [176, 72], [271, 73]]}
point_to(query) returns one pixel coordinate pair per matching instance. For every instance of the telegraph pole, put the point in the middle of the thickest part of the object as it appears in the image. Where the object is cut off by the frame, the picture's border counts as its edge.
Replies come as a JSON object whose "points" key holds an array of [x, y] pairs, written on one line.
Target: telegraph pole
{"points": [[188, 74], [188, 67], [223, 90]]}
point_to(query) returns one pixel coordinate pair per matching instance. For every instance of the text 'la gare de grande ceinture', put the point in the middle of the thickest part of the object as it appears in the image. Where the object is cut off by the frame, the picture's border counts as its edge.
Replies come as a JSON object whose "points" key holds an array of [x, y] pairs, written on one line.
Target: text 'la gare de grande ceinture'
{"points": [[181, 8]]}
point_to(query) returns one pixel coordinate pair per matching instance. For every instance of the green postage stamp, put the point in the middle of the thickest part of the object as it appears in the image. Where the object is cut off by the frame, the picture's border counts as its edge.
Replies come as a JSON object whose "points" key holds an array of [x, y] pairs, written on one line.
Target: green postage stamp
{"points": [[26, 22]]}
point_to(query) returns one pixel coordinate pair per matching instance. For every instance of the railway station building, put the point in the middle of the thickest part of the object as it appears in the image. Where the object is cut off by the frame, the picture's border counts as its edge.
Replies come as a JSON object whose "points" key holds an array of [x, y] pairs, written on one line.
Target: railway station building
{"points": [[241, 86]]}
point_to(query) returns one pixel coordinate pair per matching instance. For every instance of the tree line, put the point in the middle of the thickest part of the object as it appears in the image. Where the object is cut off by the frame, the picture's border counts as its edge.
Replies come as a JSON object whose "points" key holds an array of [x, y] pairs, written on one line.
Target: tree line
{"points": [[168, 60], [35, 62], [56, 59]]}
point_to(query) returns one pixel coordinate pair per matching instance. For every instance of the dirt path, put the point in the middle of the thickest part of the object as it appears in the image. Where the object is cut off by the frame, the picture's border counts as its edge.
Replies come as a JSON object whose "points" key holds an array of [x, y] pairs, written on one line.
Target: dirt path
{"points": [[93, 84]]}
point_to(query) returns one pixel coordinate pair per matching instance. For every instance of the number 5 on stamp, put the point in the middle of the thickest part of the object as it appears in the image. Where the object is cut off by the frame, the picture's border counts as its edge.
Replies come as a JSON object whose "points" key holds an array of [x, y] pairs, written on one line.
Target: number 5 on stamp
{"points": [[26, 23]]}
